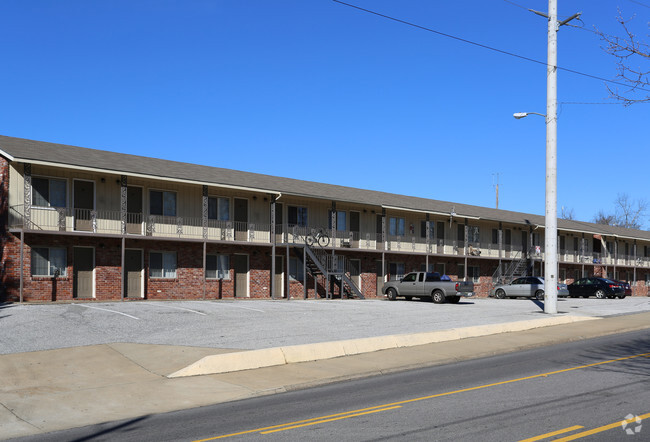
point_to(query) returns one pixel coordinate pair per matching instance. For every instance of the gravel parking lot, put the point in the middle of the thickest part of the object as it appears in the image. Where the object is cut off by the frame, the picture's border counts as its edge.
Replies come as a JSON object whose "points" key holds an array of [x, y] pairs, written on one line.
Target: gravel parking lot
{"points": [[253, 324]]}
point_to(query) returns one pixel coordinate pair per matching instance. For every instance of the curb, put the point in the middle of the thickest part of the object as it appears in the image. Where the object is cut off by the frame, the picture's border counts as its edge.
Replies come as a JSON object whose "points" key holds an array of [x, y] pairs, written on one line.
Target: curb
{"points": [[268, 357]]}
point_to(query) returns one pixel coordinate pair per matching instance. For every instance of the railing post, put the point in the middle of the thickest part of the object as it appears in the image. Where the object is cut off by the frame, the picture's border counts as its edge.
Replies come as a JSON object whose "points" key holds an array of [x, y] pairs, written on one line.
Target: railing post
{"points": [[27, 177]]}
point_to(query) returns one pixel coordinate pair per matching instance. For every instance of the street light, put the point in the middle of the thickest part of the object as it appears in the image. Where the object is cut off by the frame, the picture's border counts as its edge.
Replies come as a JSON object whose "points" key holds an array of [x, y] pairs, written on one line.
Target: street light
{"points": [[520, 115]]}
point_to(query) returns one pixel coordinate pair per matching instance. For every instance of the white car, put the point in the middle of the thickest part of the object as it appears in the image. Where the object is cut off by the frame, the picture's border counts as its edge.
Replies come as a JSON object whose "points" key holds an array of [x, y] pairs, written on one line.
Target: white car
{"points": [[526, 286]]}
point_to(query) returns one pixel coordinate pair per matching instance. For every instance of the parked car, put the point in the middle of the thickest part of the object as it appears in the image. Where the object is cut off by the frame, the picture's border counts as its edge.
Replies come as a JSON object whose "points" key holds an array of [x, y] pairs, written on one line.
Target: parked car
{"points": [[626, 287], [528, 286], [428, 285], [599, 287]]}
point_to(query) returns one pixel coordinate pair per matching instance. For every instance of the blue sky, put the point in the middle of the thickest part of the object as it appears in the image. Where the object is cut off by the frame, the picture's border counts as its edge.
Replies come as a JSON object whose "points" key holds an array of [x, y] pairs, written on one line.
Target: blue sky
{"points": [[315, 90]]}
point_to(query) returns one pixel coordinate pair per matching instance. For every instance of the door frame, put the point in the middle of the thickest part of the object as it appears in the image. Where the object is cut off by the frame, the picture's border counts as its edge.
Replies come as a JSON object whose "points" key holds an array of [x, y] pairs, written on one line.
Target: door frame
{"points": [[74, 268], [74, 214], [248, 276], [142, 196], [142, 274]]}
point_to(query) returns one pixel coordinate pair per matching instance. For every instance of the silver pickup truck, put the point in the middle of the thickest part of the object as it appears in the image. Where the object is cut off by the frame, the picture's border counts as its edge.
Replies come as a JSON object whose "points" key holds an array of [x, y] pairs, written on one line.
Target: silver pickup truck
{"points": [[428, 285]]}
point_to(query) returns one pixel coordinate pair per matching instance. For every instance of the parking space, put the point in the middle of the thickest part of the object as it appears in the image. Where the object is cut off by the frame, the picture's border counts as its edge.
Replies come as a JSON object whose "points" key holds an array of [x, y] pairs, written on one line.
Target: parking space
{"points": [[251, 324]]}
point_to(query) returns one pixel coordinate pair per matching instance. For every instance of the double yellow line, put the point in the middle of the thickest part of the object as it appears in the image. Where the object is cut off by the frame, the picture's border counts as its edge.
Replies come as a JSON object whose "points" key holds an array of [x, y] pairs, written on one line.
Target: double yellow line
{"points": [[584, 433], [391, 406]]}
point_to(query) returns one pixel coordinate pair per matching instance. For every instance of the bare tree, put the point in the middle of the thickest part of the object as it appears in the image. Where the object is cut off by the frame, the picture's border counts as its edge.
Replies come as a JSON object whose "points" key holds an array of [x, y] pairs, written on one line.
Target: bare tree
{"points": [[630, 54], [567, 213], [602, 218], [628, 213]]}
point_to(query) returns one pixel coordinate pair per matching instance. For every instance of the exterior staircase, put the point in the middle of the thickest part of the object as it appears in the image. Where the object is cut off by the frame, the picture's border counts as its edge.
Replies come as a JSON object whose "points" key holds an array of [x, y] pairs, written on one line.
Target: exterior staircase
{"points": [[519, 266], [335, 268]]}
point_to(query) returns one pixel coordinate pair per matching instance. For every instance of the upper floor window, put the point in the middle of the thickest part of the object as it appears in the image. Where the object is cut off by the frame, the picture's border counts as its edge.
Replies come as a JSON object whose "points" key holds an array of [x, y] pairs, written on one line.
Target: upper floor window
{"points": [[341, 220], [219, 208], [162, 203], [473, 234], [48, 192], [396, 226], [297, 216]]}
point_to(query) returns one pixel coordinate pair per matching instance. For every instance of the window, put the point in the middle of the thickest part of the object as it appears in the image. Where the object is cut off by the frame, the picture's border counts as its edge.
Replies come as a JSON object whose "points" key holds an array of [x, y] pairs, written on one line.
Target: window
{"points": [[410, 277], [295, 269], [423, 229], [473, 273], [219, 208], [217, 267], [162, 203], [396, 270], [48, 192], [47, 261], [473, 234], [297, 216], [461, 271], [495, 236], [396, 226], [162, 265], [341, 220]]}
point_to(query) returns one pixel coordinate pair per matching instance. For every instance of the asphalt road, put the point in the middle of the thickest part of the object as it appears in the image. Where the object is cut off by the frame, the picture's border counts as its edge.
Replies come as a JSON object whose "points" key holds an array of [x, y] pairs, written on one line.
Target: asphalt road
{"points": [[255, 324], [581, 389]]}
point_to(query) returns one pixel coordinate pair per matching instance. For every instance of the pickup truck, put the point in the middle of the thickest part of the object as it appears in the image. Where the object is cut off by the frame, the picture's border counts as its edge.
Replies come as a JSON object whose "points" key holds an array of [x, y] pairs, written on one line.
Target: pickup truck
{"points": [[428, 285]]}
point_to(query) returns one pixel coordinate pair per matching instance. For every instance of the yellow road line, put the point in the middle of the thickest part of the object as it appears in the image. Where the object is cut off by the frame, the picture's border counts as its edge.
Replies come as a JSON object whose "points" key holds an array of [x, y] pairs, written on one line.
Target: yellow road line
{"points": [[329, 420], [448, 393], [601, 429], [554, 433]]}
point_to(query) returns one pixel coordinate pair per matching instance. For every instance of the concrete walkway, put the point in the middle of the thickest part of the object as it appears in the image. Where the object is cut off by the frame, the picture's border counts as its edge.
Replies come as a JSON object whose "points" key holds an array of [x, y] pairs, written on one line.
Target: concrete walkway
{"points": [[62, 388]]}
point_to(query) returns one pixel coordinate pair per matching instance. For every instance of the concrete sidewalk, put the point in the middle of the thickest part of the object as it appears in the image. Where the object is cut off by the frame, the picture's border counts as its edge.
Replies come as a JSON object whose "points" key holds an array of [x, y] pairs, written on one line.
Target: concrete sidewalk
{"points": [[51, 390]]}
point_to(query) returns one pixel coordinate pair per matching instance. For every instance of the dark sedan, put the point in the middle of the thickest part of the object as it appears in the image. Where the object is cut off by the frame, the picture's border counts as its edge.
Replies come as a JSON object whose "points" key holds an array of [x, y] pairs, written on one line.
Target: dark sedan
{"points": [[599, 287], [626, 287]]}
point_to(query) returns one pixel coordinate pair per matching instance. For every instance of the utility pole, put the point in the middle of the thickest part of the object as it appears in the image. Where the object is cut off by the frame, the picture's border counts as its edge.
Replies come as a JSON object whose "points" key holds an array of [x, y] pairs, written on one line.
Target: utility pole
{"points": [[550, 237]]}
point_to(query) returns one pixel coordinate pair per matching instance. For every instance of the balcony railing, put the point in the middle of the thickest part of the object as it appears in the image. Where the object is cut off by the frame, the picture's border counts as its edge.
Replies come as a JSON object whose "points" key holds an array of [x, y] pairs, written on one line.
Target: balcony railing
{"points": [[110, 222]]}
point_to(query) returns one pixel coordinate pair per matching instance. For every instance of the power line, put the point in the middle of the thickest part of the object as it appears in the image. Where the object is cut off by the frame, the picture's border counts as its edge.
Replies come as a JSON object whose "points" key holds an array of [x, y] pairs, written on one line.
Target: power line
{"points": [[595, 77], [639, 3]]}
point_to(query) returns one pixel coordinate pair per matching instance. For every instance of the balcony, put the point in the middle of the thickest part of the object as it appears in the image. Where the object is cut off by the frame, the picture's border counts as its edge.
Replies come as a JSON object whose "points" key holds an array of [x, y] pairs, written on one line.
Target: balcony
{"points": [[110, 223]]}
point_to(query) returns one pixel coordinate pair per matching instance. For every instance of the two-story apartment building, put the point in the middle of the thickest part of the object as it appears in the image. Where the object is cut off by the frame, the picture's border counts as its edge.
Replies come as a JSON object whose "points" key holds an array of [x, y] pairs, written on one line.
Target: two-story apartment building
{"points": [[80, 223]]}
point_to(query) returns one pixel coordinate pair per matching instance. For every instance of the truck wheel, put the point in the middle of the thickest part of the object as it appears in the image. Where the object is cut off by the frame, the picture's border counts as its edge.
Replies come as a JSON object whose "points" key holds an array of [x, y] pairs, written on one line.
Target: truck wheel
{"points": [[453, 299], [500, 294], [438, 297], [621, 296], [539, 295], [391, 294]]}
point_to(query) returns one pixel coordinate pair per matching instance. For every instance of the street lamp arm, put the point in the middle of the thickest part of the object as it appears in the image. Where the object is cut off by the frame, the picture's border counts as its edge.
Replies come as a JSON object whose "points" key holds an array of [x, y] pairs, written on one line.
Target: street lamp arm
{"points": [[520, 115]]}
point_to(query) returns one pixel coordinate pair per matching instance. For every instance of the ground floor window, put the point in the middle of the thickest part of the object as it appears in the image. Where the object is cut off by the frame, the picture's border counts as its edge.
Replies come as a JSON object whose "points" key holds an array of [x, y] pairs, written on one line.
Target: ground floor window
{"points": [[396, 270], [217, 267], [49, 261], [474, 273], [162, 265], [295, 270]]}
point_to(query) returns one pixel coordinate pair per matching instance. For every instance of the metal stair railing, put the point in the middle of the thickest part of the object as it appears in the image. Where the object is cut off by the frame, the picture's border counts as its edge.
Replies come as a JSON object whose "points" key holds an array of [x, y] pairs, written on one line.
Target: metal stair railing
{"points": [[333, 265], [517, 267]]}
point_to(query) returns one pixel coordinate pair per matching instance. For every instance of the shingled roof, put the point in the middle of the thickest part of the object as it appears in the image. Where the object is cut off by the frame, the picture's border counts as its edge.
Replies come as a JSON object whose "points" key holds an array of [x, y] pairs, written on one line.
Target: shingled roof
{"points": [[26, 151]]}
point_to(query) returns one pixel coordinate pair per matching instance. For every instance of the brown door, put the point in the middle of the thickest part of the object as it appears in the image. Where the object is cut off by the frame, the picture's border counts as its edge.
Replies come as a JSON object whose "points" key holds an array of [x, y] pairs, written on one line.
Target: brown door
{"points": [[84, 204], [354, 228], [279, 280], [84, 263], [355, 272], [241, 219], [134, 210], [279, 223], [380, 233], [240, 266], [133, 273]]}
